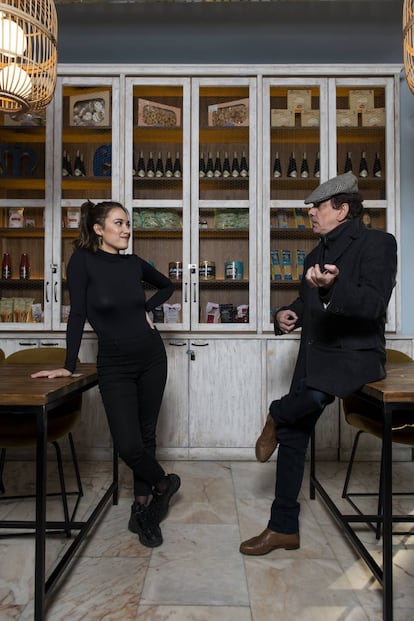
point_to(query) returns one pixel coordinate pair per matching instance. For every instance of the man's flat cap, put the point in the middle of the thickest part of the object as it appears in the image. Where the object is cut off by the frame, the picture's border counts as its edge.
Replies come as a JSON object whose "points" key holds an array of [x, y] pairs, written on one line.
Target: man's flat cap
{"points": [[342, 184]]}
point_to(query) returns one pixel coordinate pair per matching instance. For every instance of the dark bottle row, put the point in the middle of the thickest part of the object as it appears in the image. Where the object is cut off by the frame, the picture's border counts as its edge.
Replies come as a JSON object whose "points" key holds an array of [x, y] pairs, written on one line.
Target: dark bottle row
{"points": [[293, 170], [363, 169], [151, 167], [223, 166]]}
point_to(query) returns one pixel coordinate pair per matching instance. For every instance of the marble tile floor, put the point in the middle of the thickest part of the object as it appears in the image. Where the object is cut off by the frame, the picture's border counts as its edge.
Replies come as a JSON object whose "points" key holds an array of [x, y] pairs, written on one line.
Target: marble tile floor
{"points": [[198, 573]]}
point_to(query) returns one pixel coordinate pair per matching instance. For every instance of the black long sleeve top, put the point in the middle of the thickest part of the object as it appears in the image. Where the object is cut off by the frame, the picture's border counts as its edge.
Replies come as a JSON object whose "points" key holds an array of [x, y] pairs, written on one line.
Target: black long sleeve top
{"points": [[107, 290]]}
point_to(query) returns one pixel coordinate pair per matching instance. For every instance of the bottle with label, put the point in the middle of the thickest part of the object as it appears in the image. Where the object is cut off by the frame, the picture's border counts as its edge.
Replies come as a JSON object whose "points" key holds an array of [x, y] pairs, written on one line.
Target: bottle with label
{"points": [[377, 169], [177, 171], [141, 165], [77, 167], [168, 166], [226, 165], [235, 167], [209, 167], [150, 166], [159, 169], [304, 168], [217, 165], [24, 269], [66, 165], [292, 166], [244, 167], [6, 268], [348, 162], [317, 167], [363, 166], [277, 168], [201, 166]]}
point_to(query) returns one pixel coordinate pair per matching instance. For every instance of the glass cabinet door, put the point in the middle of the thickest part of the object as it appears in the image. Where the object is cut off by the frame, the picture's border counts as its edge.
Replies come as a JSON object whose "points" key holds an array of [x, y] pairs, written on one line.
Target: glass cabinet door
{"points": [[23, 223], [223, 252], [87, 150], [157, 182], [362, 135], [295, 161]]}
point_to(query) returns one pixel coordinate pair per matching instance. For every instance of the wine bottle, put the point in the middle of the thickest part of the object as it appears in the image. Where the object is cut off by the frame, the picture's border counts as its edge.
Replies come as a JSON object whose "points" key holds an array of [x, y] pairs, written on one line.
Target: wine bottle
{"points": [[141, 165], [304, 168], [159, 169], [201, 166], [292, 166], [244, 167], [6, 268], [235, 167], [348, 162], [177, 171], [24, 269], [277, 168], [77, 167], [363, 166], [226, 165], [168, 166], [209, 167], [317, 167], [217, 165], [66, 165], [377, 170], [150, 166]]}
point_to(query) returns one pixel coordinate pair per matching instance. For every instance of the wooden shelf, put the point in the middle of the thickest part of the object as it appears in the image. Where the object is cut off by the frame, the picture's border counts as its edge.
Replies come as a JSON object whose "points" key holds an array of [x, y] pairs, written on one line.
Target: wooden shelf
{"points": [[292, 233], [22, 233], [284, 284], [17, 283], [223, 284], [23, 183], [85, 183]]}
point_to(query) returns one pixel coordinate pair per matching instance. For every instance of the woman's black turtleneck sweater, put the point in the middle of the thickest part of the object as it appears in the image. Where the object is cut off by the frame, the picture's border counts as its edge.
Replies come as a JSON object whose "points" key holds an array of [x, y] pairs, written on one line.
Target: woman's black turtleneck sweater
{"points": [[107, 290]]}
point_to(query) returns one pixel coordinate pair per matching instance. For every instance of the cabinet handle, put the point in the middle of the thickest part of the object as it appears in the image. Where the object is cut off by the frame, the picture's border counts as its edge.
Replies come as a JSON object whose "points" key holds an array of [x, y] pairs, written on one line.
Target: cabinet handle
{"points": [[176, 344], [200, 344], [55, 290], [185, 292], [49, 344], [27, 344], [195, 292], [47, 292]]}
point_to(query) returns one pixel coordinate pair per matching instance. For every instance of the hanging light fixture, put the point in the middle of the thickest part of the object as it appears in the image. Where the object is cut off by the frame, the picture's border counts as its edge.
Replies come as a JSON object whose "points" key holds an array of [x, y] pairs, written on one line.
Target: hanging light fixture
{"points": [[28, 54], [408, 42]]}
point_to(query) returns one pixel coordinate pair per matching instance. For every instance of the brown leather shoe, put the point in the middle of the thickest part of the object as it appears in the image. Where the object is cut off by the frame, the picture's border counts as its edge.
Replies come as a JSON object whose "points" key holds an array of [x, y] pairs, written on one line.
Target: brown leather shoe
{"points": [[267, 442], [269, 540]]}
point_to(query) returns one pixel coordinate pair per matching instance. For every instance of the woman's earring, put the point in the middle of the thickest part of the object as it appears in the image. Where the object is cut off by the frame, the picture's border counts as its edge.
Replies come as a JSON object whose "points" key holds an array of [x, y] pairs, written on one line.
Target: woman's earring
{"points": [[100, 240]]}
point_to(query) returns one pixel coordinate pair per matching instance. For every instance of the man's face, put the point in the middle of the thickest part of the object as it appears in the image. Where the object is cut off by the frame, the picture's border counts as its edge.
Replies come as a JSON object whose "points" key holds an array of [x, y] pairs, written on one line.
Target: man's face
{"points": [[325, 218]]}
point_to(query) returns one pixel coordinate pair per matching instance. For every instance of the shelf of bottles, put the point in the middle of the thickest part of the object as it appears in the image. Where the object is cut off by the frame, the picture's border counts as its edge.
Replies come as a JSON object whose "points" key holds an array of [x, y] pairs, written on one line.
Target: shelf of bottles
{"points": [[223, 192], [294, 141], [360, 137], [22, 201], [86, 143]]}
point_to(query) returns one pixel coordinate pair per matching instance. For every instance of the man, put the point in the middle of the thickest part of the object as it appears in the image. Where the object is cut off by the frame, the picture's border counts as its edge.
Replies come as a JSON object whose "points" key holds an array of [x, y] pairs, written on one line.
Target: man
{"points": [[341, 308]]}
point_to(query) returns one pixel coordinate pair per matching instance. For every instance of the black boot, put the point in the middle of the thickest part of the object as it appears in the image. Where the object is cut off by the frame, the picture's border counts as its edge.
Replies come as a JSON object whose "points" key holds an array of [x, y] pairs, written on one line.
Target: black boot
{"points": [[159, 504], [143, 523]]}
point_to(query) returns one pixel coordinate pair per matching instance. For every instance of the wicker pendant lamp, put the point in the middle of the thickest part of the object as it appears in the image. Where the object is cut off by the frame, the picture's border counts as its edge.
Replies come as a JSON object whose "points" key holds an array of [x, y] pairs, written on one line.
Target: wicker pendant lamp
{"points": [[28, 54], [408, 42]]}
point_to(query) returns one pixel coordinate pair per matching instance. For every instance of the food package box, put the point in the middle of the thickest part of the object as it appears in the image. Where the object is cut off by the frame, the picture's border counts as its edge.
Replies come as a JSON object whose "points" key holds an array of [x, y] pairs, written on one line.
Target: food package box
{"points": [[373, 118], [361, 100], [154, 114], [229, 114], [299, 100], [275, 269], [282, 118], [300, 262], [287, 265], [90, 110], [346, 118], [310, 118]]}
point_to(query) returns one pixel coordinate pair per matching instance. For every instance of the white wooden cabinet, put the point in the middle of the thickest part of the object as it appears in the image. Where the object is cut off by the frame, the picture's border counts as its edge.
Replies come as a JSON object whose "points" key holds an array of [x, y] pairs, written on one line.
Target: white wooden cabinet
{"points": [[214, 405]]}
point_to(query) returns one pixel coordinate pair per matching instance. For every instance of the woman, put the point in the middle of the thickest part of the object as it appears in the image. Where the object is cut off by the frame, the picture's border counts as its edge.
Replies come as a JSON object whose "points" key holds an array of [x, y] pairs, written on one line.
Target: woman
{"points": [[106, 288]]}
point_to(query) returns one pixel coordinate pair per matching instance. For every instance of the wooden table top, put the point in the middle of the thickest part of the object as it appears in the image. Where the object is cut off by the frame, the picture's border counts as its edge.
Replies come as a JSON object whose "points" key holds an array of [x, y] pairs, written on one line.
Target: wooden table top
{"points": [[18, 388], [397, 387]]}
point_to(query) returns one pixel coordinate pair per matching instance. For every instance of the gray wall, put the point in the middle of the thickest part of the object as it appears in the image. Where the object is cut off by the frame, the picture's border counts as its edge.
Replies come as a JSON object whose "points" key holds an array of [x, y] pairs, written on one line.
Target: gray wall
{"points": [[282, 32]]}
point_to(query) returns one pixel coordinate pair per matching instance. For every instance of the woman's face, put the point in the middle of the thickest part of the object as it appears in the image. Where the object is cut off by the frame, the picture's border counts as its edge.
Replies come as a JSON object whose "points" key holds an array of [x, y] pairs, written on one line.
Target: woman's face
{"points": [[116, 231]]}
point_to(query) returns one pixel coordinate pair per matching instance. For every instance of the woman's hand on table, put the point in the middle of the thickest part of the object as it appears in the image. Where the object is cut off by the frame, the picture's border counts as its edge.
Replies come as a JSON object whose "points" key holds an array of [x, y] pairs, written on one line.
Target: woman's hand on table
{"points": [[52, 373]]}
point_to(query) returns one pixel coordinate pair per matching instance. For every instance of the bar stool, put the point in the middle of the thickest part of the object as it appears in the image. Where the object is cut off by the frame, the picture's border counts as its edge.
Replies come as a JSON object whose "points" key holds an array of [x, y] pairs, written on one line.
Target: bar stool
{"points": [[365, 418], [20, 430]]}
